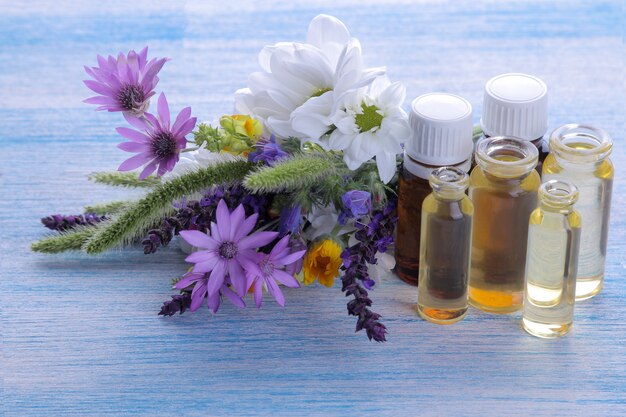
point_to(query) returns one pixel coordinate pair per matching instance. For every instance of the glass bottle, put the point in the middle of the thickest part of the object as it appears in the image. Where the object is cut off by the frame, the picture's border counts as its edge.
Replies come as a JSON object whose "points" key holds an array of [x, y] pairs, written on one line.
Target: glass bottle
{"points": [[446, 238], [580, 154], [441, 134], [503, 188], [552, 260], [517, 105]]}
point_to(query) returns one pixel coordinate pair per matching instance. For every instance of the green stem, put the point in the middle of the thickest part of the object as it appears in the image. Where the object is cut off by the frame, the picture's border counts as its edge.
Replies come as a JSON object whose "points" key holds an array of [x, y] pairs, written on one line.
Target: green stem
{"points": [[123, 179]]}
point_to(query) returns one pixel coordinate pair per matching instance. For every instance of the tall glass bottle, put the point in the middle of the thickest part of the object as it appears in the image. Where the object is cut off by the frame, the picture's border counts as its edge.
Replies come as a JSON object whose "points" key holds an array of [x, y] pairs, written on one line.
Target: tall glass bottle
{"points": [[580, 154], [552, 260], [441, 134], [503, 188], [446, 238], [517, 105]]}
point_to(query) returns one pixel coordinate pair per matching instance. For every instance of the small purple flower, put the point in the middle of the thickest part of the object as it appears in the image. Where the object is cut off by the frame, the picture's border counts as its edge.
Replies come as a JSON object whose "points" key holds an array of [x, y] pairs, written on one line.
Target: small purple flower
{"points": [[159, 144], [272, 271], [357, 202], [228, 251], [126, 83], [290, 219], [267, 151]]}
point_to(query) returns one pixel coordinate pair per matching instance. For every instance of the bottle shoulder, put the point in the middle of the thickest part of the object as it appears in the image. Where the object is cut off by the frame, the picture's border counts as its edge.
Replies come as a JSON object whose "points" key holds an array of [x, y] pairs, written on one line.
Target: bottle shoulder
{"points": [[602, 170]]}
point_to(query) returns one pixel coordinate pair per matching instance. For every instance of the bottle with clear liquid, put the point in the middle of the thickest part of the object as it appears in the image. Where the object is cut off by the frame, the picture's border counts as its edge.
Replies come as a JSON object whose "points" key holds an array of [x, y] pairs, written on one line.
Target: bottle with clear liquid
{"points": [[441, 135], [552, 261], [580, 154], [503, 188], [446, 237]]}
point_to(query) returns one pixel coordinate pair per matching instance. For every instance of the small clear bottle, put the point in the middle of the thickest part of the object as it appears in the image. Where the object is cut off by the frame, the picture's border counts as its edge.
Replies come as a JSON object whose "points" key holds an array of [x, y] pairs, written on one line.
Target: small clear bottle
{"points": [[446, 238], [580, 154], [517, 105], [552, 260], [441, 135], [503, 188]]}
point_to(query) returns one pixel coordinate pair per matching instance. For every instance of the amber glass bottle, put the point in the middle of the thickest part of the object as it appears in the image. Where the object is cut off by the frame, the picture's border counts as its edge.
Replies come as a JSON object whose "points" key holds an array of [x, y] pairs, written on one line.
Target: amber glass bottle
{"points": [[503, 188], [445, 248], [517, 105], [441, 135]]}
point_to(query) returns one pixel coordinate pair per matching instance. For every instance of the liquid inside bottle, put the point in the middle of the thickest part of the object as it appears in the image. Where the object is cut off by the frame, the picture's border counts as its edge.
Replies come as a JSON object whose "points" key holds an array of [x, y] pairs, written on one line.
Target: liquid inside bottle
{"points": [[503, 189], [579, 154], [552, 259], [445, 251]]}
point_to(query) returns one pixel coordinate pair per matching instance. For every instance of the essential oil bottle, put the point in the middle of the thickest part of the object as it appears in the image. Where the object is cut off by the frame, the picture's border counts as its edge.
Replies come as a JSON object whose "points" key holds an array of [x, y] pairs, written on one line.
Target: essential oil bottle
{"points": [[446, 238], [441, 126], [503, 188], [551, 262], [580, 154], [517, 105]]}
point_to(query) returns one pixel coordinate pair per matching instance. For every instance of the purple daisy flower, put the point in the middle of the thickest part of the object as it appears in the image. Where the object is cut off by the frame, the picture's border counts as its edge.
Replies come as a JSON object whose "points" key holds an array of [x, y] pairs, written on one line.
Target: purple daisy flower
{"points": [[272, 271], [159, 144], [126, 83], [229, 250], [200, 282]]}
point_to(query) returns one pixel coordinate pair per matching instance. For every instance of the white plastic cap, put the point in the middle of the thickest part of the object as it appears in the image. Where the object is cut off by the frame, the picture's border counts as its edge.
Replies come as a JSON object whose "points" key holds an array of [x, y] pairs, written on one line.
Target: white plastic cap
{"points": [[515, 105], [441, 129]]}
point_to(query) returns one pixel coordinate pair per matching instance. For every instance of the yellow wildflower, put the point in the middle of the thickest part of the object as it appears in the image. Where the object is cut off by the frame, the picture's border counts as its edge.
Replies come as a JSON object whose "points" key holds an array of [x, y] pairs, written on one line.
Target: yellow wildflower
{"points": [[322, 262], [242, 124]]}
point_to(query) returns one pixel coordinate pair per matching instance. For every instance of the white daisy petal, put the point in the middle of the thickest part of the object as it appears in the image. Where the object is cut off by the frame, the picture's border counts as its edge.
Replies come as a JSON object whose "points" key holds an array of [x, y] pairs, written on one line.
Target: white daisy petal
{"points": [[386, 163], [329, 34]]}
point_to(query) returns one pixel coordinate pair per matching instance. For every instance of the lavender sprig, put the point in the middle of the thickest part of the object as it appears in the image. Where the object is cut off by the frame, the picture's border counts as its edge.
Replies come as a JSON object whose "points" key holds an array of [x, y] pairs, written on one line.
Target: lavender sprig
{"points": [[178, 304], [62, 223], [373, 237]]}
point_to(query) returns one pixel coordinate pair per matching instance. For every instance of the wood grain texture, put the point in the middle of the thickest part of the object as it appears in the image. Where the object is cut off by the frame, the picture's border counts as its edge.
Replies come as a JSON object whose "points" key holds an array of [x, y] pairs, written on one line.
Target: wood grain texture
{"points": [[80, 335]]}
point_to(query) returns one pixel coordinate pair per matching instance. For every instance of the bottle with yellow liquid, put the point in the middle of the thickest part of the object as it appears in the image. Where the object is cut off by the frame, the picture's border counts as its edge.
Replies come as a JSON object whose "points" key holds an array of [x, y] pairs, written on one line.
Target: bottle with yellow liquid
{"points": [[580, 154], [446, 235], [552, 260], [503, 187]]}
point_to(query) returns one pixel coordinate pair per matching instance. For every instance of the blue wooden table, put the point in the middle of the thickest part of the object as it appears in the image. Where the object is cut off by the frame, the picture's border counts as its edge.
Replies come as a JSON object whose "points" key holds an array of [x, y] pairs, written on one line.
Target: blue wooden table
{"points": [[80, 335]]}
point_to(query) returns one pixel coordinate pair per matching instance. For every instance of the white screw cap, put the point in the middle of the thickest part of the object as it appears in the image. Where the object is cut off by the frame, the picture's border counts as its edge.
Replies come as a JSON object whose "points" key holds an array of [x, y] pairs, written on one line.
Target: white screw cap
{"points": [[441, 129], [515, 105]]}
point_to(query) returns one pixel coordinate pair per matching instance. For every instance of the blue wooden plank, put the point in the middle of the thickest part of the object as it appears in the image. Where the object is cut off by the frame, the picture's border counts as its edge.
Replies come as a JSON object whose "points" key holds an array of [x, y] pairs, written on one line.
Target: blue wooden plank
{"points": [[80, 335]]}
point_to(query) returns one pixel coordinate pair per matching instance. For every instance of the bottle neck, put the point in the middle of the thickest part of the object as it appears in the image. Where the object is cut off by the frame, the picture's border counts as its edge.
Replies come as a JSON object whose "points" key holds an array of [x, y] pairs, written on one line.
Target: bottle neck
{"points": [[506, 158], [423, 171], [580, 146], [449, 183]]}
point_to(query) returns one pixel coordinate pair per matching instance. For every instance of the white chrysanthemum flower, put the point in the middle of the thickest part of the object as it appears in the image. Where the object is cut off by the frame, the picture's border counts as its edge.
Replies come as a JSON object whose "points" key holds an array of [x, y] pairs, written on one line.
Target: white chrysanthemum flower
{"points": [[371, 123], [296, 90]]}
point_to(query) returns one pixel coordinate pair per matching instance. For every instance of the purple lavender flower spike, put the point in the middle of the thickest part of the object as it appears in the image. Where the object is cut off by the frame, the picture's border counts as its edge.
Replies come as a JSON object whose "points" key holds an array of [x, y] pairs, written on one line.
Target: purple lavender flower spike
{"points": [[158, 144], [228, 251], [267, 151], [124, 84], [273, 271], [290, 219]]}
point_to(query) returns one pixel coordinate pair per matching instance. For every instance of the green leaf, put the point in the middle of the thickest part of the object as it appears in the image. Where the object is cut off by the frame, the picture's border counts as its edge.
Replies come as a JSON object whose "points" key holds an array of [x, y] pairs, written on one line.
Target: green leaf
{"points": [[123, 179], [72, 239], [140, 216]]}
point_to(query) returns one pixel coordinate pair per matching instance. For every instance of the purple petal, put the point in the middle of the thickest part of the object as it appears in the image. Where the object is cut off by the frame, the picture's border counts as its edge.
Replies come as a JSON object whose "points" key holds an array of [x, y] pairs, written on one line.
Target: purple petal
{"points": [[186, 127], [214, 301], [215, 233], [133, 135], [163, 111], [286, 279], [198, 239], [156, 125], [216, 279], [187, 280], [289, 259], [182, 117], [99, 88], [273, 289], [258, 292], [250, 262], [151, 70], [102, 62], [201, 256], [133, 147], [246, 227], [148, 170], [223, 220], [137, 122], [207, 266], [162, 169], [233, 297], [236, 218], [197, 295], [134, 162], [237, 277], [257, 240], [279, 247], [100, 100], [143, 56]]}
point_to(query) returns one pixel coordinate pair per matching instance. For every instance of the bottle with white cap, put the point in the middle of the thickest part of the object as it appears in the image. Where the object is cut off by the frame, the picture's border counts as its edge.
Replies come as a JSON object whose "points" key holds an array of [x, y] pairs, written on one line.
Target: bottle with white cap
{"points": [[441, 135], [517, 105]]}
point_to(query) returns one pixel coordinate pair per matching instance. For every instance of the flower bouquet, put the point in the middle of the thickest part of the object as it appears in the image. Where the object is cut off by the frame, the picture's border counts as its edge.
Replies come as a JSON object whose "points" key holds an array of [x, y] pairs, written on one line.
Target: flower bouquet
{"points": [[297, 186]]}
